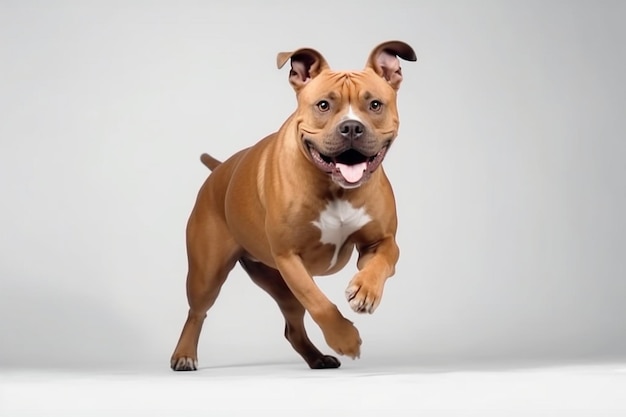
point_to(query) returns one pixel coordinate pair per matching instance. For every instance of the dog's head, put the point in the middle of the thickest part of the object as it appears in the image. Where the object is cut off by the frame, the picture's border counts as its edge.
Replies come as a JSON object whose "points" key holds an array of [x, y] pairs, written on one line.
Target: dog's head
{"points": [[347, 120]]}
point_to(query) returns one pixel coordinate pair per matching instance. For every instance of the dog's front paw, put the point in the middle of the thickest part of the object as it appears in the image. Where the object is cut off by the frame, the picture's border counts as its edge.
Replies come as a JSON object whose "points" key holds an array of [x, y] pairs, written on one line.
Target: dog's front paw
{"points": [[343, 338], [364, 294]]}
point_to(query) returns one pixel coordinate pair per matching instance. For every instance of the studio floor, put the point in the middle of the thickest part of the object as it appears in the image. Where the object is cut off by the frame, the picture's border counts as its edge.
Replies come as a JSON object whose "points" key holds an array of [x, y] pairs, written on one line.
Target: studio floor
{"points": [[288, 389]]}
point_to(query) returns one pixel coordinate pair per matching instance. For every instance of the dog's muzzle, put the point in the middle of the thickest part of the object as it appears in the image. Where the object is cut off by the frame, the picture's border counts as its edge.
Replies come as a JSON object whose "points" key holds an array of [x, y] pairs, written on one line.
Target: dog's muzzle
{"points": [[349, 168]]}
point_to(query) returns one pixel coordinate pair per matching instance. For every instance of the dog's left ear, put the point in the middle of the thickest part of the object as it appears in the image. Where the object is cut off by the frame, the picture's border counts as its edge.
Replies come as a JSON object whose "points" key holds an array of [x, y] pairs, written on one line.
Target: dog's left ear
{"points": [[384, 61], [306, 64]]}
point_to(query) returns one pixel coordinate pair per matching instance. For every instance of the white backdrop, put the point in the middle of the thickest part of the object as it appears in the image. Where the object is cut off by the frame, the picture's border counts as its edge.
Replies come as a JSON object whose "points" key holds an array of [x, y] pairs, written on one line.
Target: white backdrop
{"points": [[509, 174]]}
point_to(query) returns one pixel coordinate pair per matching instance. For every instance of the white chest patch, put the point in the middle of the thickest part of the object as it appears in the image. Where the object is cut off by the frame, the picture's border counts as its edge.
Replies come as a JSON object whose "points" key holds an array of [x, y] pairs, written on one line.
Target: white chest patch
{"points": [[338, 221]]}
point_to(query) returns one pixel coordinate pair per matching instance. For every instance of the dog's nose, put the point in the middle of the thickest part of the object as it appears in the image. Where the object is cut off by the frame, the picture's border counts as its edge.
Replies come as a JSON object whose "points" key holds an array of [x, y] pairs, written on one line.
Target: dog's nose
{"points": [[351, 129]]}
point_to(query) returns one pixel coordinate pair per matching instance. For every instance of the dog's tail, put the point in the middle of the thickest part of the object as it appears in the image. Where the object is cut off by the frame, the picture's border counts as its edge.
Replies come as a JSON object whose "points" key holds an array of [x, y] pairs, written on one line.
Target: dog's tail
{"points": [[209, 161]]}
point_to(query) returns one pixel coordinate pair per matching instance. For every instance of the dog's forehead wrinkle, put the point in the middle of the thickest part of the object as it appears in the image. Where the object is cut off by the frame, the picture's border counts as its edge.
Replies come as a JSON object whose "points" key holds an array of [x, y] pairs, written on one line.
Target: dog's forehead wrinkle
{"points": [[332, 90], [344, 88]]}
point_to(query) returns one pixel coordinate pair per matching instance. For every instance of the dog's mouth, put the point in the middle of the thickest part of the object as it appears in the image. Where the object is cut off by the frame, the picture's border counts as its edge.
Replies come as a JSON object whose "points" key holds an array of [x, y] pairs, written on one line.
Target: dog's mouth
{"points": [[350, 168]]}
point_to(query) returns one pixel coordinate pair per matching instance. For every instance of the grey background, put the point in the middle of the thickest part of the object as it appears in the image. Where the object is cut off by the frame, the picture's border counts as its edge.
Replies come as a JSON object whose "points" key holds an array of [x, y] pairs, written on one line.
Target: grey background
{"points": [[509, 175]]}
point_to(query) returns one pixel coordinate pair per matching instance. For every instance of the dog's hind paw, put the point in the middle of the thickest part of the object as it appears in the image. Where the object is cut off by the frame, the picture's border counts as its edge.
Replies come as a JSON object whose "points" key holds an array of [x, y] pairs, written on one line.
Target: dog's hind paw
{"points": [[184, 364], [326, 362]]}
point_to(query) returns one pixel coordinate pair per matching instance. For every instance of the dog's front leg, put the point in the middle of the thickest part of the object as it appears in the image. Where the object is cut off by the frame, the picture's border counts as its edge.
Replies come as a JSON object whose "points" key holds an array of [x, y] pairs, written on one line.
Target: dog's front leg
{"points": [[376, 263], [339, 332]]}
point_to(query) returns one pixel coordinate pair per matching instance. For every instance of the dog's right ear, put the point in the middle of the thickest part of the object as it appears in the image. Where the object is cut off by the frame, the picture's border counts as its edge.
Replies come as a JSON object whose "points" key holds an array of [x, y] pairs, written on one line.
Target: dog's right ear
{"points": [[306, 64]]}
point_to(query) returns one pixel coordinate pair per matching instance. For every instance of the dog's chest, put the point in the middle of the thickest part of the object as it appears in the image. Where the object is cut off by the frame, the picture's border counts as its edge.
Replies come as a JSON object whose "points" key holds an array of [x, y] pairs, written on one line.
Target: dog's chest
{"points": [[337, 221]]}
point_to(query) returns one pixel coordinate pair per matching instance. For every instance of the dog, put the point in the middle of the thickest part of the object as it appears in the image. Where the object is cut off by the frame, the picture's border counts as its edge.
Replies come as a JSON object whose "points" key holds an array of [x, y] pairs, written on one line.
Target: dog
{"points": [[297, 203]]}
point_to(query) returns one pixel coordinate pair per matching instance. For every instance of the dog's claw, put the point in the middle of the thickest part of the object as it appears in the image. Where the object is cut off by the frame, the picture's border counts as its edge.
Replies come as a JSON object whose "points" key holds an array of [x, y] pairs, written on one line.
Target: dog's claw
{"points": [[184, 364], [360, 300]]}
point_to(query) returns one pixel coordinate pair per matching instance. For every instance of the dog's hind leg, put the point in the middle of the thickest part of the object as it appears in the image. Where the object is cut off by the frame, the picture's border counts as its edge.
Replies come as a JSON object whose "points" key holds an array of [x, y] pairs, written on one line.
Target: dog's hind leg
{"points": [[272, 282], [212, 254]]}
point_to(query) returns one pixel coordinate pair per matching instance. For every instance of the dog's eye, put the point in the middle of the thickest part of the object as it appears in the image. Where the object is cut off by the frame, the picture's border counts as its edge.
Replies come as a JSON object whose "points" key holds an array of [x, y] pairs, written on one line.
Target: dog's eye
{"points": [[376, 106], [323, 105]]}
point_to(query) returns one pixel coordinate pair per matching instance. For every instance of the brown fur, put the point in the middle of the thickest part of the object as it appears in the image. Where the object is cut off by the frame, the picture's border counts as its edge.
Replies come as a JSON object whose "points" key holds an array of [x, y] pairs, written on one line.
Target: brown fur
{"points": [[259, 206]]}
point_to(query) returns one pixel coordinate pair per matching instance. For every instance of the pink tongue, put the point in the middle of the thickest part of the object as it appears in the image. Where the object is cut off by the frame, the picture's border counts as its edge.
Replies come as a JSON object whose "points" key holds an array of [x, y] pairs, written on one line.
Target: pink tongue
{"points": [[352, 173]]}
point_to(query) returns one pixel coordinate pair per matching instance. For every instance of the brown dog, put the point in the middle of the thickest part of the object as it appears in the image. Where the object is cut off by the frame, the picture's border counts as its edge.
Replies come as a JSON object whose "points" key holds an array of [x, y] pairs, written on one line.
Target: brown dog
{"points": [[295, 205]]}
